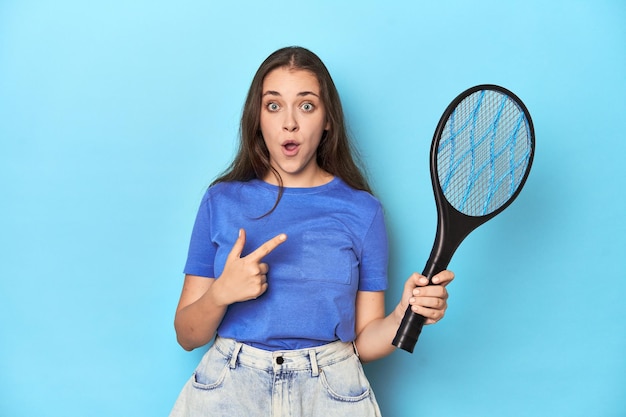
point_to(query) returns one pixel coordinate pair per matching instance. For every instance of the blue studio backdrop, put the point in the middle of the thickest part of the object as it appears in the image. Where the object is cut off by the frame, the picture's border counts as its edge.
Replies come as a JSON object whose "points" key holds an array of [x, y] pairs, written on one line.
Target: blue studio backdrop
{"points": [[116, 115]]}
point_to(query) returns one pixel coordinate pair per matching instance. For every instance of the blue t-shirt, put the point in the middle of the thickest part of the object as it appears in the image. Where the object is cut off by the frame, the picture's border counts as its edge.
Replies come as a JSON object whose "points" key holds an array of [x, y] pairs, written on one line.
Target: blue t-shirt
{"points": [[336, 245]]}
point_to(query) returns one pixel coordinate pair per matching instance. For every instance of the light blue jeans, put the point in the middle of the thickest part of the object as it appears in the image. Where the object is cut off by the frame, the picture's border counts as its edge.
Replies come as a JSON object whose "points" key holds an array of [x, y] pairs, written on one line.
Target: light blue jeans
{"points": [[237, 380]]}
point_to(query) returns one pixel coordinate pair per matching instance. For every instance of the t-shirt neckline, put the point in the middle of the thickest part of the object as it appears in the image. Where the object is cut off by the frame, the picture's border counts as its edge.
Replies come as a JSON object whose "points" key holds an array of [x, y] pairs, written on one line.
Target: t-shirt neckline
{"points": [[299, 190]]}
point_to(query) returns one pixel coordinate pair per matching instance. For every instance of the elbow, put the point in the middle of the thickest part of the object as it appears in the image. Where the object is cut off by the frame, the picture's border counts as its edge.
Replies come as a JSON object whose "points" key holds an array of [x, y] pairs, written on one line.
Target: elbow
{"points": [[187, 346], [184, 342]]}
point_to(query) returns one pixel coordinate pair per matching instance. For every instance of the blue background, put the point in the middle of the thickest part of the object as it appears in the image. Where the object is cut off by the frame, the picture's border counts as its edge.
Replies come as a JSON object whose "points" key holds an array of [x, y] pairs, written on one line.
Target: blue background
{"points": [[116, 115]]}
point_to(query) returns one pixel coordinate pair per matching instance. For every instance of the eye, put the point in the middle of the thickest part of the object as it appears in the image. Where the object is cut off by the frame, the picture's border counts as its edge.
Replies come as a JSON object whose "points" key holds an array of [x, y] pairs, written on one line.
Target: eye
{"points": [[307, 107], [272, 106]]}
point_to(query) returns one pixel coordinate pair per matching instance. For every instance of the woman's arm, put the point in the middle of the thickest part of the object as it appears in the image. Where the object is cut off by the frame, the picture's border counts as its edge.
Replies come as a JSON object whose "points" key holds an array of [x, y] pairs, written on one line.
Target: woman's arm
{"points": [[203, 301], [375, 331], [198, 313]]}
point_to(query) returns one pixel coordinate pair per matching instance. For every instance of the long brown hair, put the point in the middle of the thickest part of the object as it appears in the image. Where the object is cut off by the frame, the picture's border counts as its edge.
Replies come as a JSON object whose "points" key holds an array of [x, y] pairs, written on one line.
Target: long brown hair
{"points": [[335, 153]]}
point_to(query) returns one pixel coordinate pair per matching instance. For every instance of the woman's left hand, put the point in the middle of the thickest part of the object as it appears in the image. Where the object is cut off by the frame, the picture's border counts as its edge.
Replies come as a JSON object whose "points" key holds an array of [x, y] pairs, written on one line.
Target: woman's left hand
{"points": [[430, 301]]}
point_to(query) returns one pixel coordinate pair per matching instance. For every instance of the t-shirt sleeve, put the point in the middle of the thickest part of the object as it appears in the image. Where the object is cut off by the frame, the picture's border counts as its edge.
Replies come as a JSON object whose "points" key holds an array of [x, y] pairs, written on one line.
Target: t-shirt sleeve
{"points": [[375, 256], [201, 254]]}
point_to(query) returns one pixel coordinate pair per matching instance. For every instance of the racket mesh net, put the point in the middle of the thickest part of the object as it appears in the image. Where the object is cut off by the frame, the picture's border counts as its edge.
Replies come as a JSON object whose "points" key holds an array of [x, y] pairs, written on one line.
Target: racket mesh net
{"points": [[483, 152]]}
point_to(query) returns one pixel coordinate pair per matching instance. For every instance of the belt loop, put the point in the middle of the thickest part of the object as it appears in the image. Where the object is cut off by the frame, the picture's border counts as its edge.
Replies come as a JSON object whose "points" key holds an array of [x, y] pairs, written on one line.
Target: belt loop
{"points": [[233, 358], [315, 370], [356, 351]]}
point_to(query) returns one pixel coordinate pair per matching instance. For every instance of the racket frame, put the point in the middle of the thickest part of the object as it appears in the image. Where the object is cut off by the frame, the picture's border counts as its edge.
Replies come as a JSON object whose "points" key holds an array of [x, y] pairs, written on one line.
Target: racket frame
{"points": [[452, 225]]}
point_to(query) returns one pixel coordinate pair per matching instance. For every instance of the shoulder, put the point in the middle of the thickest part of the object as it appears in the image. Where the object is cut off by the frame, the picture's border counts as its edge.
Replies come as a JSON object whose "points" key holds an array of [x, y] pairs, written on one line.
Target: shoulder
{"points": [[221, 193], [222, 187], [230, 189], [360, 198], [238, 196]]}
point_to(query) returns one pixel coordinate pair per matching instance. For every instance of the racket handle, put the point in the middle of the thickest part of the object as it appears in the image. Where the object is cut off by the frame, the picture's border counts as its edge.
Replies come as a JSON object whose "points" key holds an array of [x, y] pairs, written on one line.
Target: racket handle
{"points": [[409, 330], [412, 323]]}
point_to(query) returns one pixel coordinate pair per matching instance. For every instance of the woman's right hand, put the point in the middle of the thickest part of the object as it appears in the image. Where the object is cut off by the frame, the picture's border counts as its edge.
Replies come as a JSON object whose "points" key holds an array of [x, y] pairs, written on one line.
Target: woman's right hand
{"points": [[244, 278], [203, 301]]}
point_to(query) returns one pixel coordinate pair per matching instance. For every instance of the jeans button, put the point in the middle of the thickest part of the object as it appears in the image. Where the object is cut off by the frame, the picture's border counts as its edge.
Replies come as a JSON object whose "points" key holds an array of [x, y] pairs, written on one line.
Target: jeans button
{"points": [[280, 360]]}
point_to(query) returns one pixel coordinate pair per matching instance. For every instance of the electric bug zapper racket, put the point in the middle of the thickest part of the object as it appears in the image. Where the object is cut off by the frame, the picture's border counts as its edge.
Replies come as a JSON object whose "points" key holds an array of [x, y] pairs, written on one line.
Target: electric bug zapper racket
{"points": [[480, 157]]}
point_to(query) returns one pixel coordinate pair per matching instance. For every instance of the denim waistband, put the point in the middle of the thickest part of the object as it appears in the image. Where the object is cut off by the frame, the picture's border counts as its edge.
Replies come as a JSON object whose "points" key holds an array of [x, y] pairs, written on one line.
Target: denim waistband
{"points": [[284, 360]]}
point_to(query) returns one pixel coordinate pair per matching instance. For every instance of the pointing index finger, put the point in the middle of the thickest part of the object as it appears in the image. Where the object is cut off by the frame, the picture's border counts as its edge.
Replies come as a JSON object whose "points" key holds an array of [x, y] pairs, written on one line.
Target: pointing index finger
{"points": [[266, 248]]}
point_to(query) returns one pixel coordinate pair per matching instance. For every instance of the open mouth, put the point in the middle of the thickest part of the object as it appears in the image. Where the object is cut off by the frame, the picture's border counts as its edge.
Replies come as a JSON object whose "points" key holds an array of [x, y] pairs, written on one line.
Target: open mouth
{"points": [[290, 146]]}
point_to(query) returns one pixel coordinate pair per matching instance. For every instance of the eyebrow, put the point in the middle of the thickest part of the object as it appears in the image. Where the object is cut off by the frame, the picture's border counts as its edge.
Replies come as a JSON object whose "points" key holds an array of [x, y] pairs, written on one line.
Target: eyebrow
{"points": [[300, 94]]}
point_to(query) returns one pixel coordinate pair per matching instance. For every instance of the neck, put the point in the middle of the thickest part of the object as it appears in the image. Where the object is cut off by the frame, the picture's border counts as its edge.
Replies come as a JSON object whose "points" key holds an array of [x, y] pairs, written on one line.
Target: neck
{"points": [[315, 179]]}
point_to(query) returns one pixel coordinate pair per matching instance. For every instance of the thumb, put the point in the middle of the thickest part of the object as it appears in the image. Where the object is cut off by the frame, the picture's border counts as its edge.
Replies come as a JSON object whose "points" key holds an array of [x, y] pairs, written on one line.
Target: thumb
{"points": [[413, 281], [235, 252]]}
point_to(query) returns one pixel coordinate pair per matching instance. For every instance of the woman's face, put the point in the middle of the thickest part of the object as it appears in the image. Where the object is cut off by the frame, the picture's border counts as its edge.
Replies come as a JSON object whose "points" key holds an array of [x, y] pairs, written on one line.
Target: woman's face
{"points": [[293, 120]]}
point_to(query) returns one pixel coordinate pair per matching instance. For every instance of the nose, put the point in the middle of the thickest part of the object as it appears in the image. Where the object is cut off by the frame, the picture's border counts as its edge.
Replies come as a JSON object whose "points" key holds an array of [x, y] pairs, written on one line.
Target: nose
{"points": [[290, 124]]}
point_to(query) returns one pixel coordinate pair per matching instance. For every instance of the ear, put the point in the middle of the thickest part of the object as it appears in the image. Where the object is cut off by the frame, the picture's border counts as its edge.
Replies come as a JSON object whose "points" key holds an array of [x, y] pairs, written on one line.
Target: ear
{"points": [[327, 127]]}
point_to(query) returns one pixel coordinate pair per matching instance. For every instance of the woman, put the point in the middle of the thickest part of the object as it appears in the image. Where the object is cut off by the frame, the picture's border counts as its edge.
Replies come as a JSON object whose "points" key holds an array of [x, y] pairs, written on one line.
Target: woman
{"points": [[287, 264]]}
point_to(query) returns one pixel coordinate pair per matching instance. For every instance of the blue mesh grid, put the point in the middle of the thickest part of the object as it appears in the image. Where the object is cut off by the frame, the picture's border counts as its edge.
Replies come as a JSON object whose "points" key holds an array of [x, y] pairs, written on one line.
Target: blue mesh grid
{"points": [[483, 153]]}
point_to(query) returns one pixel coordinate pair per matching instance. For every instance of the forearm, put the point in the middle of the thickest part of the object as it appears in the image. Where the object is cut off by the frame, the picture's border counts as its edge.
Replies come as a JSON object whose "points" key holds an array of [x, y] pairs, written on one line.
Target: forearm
{"points": [[374, 340], [375, 331], [197, 323]]}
